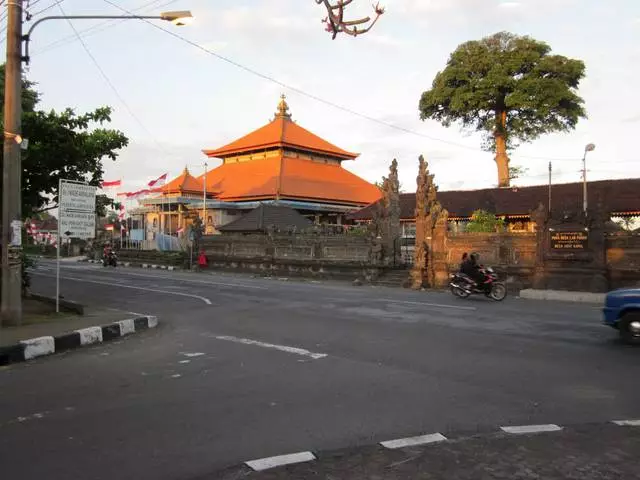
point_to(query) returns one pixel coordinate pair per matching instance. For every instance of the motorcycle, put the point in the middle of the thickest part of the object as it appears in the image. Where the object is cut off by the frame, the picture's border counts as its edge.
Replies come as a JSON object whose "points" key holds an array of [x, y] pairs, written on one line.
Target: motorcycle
{"points": [[462, 285], [110, 259]]}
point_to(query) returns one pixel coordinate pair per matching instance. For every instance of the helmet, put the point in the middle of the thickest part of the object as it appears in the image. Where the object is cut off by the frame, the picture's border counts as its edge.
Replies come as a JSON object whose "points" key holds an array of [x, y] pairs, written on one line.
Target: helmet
{"points": [[475, 256]]}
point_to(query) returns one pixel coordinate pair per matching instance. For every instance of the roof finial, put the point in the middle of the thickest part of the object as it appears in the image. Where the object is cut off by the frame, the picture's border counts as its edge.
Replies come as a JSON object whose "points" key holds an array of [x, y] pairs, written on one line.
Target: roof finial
{"points": [[283, 108]]}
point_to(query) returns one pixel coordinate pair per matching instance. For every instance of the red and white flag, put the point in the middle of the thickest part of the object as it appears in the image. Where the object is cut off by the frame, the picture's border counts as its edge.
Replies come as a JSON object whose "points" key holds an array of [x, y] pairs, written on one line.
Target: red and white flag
{"points": [[138, 194], [161, 180], [180, 230], [113, 184]]}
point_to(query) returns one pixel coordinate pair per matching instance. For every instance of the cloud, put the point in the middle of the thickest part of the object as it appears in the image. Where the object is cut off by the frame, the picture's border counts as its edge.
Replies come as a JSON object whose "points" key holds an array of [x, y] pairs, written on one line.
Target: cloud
{"points": [[386, 40]]}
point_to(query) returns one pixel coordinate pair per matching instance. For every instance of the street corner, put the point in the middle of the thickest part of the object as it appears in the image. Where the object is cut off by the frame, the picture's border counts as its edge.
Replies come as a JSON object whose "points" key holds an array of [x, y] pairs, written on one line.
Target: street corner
{"points": [[554, 452], [33, 348]]}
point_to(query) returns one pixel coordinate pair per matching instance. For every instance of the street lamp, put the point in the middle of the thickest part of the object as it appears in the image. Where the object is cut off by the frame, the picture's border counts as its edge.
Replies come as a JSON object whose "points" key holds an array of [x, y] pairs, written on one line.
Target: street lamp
{"points": [[179, 18], [590, 147], [11, 242]]}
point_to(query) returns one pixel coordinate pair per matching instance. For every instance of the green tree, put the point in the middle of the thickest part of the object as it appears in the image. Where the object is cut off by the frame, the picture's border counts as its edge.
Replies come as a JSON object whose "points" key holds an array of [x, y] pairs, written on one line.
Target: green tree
{"points": [[483, 221], [510, 88], [61, 145], [517, 171]]}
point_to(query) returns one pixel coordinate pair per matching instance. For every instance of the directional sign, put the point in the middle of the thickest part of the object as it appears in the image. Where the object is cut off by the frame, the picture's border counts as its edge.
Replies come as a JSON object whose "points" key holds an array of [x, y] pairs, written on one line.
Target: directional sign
{"points": [[77, 206]]}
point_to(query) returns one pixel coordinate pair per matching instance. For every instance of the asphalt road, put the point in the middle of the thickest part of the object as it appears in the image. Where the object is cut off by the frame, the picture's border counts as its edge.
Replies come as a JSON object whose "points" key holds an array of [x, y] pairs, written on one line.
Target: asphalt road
{"points": [[244, 368]]}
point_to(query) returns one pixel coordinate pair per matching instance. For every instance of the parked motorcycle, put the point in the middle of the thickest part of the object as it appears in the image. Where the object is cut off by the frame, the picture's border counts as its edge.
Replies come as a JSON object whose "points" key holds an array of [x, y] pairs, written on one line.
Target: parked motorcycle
{"points": [[110, 259], [462, 285]]}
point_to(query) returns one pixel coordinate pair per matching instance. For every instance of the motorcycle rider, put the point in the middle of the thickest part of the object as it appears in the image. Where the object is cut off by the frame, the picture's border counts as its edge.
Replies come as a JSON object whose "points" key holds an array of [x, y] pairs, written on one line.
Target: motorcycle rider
{"points": [[107, 253], [472, 268], [465, 255]]}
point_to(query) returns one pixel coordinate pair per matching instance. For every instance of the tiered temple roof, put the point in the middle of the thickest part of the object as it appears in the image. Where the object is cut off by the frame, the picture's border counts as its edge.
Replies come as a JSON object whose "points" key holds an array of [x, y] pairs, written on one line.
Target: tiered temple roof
{"points": [[283, 161]]}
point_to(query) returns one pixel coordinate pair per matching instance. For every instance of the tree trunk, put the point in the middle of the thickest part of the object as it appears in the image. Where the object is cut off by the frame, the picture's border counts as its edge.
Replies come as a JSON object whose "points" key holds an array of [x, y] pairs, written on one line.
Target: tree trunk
{"points": [[502, 160]]}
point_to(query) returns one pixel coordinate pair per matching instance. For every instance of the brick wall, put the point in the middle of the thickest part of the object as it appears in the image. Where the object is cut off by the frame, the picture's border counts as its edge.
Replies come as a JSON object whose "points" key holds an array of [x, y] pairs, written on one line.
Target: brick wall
{"points": [[623, 260], [496, 249]]}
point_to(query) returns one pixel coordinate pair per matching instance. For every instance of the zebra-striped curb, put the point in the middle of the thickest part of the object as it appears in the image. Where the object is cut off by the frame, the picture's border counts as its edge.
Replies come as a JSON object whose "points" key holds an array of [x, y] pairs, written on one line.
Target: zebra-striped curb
{"points": [[48, 345], [153, 266]]}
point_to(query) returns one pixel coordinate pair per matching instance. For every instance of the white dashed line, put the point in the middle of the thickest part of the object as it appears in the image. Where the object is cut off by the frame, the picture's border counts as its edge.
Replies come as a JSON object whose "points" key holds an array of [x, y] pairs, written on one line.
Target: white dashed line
{"points": [[412, 441], [283, 348], [627, 423], [424, 304], [192, 354], [120, 285], [272, 462], [531, 429]]}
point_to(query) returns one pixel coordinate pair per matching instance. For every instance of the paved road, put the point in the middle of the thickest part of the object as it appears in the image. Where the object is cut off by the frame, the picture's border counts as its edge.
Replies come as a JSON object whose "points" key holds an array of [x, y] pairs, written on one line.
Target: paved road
{"points": [[245, 368]]}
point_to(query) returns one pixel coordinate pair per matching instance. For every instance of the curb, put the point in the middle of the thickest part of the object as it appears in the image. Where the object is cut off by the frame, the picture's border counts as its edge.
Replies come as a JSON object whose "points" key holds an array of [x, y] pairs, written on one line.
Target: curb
{"points": [[247, 468], [48, 345], [170, 268], [563, 296]]}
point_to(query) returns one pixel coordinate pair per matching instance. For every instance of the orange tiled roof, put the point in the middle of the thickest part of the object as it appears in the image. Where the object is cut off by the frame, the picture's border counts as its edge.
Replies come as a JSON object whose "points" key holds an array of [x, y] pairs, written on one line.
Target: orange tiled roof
{"points": [[290, 178], [281, 132], [185, 183]]}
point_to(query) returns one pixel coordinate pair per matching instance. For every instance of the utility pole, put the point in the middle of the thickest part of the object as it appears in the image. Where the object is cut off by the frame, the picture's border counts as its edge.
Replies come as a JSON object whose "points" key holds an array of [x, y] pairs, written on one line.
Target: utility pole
{"points": [[11, 308], [204, 195], [589, 148], [549, 187]]}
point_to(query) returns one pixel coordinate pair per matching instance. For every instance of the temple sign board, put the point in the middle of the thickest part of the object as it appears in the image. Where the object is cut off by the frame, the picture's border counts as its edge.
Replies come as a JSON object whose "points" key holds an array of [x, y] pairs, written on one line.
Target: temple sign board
{"points": [[569, 240]]}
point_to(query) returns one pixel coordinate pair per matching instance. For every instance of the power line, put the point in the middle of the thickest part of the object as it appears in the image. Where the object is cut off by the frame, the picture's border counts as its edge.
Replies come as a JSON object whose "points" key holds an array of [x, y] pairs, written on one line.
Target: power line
{"points": [[320, 99], [58, 2], [110, 83], [97, 28]]}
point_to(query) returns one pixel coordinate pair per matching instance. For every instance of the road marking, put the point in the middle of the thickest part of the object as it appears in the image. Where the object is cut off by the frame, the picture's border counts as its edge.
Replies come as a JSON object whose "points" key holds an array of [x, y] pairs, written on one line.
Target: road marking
{"points": [[627, 423], [412, 441], [191, 355], [185, 280], [424, 304], [531, 429], [282, 348], [111, 284], [272, 462]]}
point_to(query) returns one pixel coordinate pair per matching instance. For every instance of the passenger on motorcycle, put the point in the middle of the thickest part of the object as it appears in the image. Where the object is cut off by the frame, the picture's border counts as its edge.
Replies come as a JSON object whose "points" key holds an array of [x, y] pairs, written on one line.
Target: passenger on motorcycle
{"points": [[472, 268]]}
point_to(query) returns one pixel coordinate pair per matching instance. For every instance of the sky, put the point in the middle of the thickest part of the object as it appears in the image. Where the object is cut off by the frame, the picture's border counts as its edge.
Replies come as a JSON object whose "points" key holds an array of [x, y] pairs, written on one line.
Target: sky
{"points": [[173, 99]]}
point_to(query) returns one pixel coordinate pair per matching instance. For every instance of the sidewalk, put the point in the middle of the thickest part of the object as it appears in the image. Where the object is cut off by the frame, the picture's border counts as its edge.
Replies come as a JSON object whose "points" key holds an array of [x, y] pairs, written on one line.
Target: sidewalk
{"points": [[45, 332], [563, 296], [56, 324], [588, 452]]}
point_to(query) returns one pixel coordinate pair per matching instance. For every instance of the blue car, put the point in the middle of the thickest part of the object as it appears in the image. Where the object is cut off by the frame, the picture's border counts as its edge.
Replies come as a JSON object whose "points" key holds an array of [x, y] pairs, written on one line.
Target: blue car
{"points": [[622, 312]]}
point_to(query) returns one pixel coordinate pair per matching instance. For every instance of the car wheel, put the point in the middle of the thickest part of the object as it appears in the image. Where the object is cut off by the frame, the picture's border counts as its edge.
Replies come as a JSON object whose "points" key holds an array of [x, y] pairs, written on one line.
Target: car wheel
{"points": [[629, 327]]}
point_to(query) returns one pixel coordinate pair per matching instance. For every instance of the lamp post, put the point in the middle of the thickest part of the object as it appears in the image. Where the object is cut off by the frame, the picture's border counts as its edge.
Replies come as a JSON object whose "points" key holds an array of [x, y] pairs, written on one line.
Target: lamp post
{"points": [[204, 195], [590, 147], [11, 302]]}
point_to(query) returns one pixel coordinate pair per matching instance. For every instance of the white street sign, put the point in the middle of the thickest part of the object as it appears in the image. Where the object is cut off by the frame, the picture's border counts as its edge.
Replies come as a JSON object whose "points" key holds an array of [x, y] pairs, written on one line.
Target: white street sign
{"points": [[77, 206], [78, 224], [77, 197]]}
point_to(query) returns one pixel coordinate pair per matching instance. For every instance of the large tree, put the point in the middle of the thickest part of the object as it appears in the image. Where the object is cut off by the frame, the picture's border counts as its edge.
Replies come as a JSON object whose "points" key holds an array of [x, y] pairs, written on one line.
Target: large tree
{"points": [[61, 145], [510, 88]]}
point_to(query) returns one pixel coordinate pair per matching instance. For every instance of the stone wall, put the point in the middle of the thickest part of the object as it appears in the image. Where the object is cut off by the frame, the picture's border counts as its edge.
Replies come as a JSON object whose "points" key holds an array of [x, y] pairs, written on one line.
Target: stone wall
{"points": [[512, 255], [340, 256], [495, 249], [338, 248], [623, 260]]}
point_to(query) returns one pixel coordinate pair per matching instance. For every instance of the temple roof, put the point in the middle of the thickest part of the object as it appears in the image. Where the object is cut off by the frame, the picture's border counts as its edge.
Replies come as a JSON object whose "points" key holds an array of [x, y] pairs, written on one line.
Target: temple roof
{"points": [[185, 183], [281, 132], [282, 177], [264, 217], [617, 196]]}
